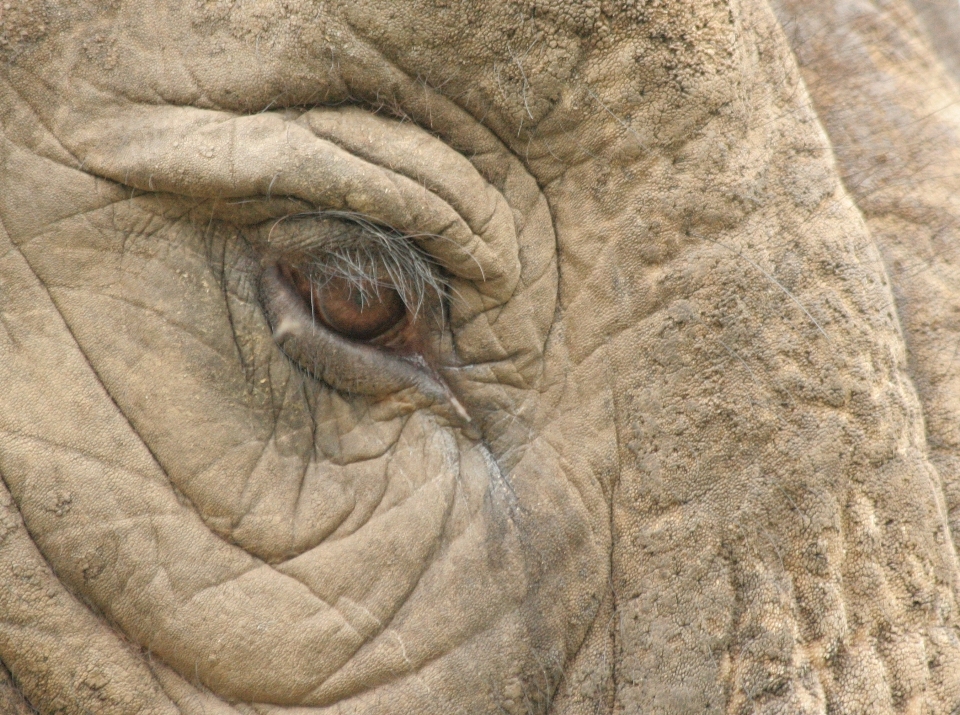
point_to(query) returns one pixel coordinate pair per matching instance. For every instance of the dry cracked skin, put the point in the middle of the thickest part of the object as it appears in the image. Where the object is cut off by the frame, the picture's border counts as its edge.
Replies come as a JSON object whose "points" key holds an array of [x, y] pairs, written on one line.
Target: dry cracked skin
{"points": [[452, 356]]}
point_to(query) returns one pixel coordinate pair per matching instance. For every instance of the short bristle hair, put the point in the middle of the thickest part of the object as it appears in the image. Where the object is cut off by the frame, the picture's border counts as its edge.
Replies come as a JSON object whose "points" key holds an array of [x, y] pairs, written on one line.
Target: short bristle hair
{"points": [[371, 257]]}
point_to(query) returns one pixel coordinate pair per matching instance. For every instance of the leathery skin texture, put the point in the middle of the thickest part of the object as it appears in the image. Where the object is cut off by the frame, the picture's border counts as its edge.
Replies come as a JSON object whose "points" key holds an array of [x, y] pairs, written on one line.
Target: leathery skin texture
{"points": [[677, 433]]}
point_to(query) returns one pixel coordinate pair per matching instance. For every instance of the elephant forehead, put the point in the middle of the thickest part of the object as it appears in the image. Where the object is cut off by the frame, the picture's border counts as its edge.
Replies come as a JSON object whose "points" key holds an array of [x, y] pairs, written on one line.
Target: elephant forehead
{"points": [[515, 64], [242, 55]]}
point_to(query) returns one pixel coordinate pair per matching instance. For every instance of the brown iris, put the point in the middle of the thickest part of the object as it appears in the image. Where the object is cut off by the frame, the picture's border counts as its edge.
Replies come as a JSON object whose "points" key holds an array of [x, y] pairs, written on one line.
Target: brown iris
{"points": [[358, 312]]}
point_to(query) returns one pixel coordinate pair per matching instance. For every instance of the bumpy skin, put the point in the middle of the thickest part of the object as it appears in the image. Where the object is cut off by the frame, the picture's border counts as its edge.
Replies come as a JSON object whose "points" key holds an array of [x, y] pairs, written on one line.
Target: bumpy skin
{"points": [[704, 316]]}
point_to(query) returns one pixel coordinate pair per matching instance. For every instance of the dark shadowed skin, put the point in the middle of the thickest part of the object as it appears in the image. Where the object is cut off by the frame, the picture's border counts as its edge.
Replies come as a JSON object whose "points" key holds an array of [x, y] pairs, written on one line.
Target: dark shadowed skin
{"points": [[479, 357]]}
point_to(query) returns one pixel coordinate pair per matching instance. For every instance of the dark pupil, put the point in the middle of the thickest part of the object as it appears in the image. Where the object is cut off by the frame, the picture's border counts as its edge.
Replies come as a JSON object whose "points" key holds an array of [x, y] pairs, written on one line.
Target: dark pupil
{"points": [[357, 312]]}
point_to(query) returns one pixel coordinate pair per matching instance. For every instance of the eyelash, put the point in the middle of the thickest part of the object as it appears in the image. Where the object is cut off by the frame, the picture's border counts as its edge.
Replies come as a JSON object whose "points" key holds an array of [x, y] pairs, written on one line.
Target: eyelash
{"points": [[371, 251]]}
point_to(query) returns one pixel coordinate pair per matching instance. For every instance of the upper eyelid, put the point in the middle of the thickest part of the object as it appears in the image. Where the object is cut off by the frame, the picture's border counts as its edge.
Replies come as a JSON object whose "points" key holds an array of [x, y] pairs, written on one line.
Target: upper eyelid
{"points": [[214, 155]]}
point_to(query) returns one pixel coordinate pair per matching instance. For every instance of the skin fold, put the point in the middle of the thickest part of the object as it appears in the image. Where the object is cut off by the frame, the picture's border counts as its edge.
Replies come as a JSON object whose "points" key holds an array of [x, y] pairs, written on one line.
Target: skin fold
{"points": [[681, 438]]}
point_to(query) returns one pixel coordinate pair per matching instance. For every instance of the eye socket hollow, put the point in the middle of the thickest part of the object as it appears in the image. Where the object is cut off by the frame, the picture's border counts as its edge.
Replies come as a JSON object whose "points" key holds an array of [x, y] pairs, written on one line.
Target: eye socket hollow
{"points": [[359, 310]]}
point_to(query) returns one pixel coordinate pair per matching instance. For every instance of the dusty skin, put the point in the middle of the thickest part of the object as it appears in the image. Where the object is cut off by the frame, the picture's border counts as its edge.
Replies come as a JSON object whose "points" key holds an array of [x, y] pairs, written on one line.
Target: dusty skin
{"points": [[657, 409]]}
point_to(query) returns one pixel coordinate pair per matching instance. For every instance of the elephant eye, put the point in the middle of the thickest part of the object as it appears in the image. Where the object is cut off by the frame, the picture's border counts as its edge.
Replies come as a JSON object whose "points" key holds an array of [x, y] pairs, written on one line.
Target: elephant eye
{"points": [[357, 305], [361, 309]]}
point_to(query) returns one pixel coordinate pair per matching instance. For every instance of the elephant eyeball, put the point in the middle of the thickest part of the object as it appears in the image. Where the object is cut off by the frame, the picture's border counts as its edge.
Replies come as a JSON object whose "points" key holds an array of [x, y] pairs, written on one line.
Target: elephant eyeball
{"points": [[361, 310]]}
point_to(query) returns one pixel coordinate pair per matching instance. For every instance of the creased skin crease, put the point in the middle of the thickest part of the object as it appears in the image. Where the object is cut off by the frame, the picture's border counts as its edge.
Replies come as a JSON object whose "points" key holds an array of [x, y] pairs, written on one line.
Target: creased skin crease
{"points": [[703, 312]]}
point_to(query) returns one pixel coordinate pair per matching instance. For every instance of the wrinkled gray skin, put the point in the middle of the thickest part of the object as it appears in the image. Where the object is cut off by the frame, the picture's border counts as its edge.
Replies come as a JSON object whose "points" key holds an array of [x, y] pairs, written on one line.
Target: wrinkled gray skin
{"points": [[703, 320]]}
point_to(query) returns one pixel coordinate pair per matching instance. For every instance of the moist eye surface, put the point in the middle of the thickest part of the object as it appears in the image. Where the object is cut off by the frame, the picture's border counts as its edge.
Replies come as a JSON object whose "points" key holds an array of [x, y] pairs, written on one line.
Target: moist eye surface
{"points": [[360, 309]]}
